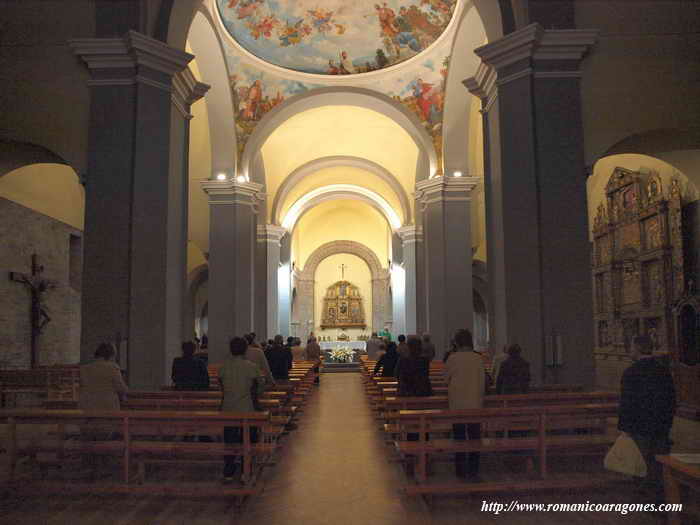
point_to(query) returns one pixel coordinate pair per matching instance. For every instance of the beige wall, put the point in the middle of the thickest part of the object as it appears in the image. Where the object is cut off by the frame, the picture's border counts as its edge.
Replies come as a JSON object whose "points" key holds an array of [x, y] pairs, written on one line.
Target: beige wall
{"points": [[50, 189], [344, 220], [328, 273]]}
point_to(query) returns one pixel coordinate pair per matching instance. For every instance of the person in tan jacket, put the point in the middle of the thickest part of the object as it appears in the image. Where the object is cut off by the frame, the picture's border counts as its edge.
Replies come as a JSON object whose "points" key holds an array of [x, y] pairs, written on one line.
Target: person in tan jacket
{"points": [[466, 378], [101, 383]]}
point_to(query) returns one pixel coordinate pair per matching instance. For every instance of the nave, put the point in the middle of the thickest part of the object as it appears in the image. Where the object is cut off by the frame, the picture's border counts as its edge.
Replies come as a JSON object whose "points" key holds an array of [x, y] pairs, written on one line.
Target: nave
{"points": [[334, 469]]}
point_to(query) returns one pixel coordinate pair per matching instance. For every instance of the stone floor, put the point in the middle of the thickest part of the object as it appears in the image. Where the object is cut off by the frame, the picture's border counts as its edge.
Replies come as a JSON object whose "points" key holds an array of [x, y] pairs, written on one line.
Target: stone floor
{"points": [[334, 469]]}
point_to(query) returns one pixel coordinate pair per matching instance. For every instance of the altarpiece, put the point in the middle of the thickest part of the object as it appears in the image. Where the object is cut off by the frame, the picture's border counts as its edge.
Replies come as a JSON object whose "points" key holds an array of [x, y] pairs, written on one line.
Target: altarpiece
{"points": [[638, 266], [342, 307]]}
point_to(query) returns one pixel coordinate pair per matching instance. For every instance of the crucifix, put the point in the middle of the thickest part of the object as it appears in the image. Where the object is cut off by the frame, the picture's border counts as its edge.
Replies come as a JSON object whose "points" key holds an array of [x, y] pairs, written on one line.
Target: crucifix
{"points": [[342, 271], [39, 316]]}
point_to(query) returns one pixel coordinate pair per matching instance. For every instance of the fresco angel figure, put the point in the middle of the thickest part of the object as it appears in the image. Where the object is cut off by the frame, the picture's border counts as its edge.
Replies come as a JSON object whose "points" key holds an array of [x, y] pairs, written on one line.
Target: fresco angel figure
{"points": [[388, 29], [251, 97], [321, 19], [248, 8]]}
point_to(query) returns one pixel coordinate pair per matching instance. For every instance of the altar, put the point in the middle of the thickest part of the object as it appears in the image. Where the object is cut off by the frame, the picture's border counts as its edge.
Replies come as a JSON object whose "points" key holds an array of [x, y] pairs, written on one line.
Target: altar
{"points": [[333, 345]]}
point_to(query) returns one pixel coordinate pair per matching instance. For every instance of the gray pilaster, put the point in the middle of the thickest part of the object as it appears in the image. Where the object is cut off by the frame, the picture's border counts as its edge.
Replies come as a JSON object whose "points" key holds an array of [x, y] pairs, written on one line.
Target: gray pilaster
{"points": [[538, 253], [410, 237], [444, 204], [232, 240], [270, 237], [133, 248]]}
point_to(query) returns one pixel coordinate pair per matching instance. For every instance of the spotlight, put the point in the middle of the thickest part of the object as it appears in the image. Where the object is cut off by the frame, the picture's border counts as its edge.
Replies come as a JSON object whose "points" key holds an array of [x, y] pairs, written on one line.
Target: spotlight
{"points": [[221, 176], [457, 174], [240, 178]]}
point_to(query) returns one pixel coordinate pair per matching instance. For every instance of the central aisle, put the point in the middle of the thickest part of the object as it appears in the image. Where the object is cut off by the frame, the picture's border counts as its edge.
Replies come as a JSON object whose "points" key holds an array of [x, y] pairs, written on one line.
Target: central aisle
{"points": [[334, 469]]}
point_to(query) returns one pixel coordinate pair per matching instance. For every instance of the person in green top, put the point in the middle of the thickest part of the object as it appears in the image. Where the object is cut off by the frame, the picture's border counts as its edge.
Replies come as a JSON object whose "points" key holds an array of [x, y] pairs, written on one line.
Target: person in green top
{"points": [[240, 381], [385, 334]]}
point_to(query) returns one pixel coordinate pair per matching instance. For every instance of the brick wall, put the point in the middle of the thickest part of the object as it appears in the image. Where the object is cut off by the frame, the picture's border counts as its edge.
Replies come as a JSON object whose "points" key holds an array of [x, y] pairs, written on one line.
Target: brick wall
{"points": [[22, 233]]}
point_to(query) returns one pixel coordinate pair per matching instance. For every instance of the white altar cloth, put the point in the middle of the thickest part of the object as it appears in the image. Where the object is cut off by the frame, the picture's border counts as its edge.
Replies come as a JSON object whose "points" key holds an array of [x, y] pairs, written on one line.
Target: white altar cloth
{"points": [[352, 345]]}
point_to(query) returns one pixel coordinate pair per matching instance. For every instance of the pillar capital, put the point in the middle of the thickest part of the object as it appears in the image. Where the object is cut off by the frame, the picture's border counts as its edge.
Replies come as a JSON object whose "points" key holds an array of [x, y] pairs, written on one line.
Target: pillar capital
{"points": [[271, 233], [527, 51], [113, 61], [233, 192], [187, 90], [444, 189], [410, 234]]}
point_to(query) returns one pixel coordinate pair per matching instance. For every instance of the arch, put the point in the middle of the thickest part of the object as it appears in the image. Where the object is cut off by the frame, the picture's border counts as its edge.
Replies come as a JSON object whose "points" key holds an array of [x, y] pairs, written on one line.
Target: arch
{"points": [[337, 96], [316, 165], [14, 155], [205, 43], [336, 192], [655, 141], [335, 247], [381, 298]]}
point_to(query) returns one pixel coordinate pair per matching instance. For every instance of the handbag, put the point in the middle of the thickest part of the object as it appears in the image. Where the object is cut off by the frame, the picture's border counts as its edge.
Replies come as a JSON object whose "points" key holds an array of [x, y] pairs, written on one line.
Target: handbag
{"points": [[624, 457]]}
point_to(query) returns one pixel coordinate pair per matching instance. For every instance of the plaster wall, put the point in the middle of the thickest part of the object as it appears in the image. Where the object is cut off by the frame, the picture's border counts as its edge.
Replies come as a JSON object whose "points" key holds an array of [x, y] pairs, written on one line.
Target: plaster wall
{"points": [[24, 232], [47, 101], [50, 189], [328, 273], [341, 220], [642, 73]]}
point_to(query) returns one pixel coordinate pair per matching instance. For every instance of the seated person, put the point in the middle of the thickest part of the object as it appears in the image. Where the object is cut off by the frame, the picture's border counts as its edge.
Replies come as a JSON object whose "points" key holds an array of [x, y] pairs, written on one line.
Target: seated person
{"points": [[189, 373], [387, 361], [514, 373]]}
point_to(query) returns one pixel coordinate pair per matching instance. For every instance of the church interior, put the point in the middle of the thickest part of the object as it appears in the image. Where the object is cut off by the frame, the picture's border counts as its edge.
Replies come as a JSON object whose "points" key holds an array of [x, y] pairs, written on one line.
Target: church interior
{"points": [[181, 170]]}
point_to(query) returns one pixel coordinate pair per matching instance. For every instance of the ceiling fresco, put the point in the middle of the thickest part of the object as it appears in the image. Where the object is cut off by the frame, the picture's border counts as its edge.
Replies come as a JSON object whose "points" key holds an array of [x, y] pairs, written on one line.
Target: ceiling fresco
{"points": [[335, 37], [420, 88]]}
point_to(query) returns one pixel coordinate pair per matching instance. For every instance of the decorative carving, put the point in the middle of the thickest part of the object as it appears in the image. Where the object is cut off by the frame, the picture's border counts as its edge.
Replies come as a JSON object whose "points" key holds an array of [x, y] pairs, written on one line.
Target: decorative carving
{"points": [[638, 264], [342, 307]]}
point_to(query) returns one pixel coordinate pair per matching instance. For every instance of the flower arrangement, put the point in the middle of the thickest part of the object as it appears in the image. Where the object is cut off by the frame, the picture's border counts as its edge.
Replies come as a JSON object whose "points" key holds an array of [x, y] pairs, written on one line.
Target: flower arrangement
{"points": [[342, 354]]}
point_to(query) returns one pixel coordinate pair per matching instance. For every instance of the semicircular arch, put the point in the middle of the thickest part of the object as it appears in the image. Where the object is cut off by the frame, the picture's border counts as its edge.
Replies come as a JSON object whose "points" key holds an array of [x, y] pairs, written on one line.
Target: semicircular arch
{"points": [[339, 96], [314, 166]]}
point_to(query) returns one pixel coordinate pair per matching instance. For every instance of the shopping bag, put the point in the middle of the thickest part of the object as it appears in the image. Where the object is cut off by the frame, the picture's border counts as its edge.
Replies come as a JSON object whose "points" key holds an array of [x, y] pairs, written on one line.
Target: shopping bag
{"points": [[625, 457]]}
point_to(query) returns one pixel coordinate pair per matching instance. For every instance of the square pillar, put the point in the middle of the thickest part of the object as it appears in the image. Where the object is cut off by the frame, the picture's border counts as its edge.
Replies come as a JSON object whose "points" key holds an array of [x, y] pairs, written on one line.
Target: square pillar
{"points": [[232, 240], [447, 252], [538, 249], [135, 217], [270, 236]]}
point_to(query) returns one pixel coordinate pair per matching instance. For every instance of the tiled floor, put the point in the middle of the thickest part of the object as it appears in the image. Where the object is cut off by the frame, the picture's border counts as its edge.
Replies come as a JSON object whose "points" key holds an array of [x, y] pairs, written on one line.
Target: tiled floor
{"points": [[333, 470]]}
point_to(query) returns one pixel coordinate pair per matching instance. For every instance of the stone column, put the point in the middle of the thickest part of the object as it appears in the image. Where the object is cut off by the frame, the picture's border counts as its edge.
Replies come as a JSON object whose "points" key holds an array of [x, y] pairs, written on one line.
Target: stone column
{"points": [[271, 236], [381, 303], [136, 215], [538, 252], [447, 277], [410, 237], [232, 240]]}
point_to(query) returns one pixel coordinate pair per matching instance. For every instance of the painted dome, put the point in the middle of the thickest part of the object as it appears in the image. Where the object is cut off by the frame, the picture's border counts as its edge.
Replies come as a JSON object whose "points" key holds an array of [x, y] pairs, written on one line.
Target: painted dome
{"points": [[335, 37]]}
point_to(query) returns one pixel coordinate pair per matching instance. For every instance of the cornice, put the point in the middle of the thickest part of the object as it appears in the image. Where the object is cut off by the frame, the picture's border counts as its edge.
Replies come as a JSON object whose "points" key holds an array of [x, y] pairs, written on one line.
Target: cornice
{"points": [[232, 192], [483, 83], [186, 91], [512, 48], [270, 233], [445, 189], [565, 44], [133, 50], [411, 233]]}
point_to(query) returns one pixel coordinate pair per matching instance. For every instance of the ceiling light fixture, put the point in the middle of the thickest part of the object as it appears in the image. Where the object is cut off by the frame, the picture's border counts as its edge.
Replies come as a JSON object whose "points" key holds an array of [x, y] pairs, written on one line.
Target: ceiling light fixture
{"points": [[221, 176], [457, 174], [240, 178]]}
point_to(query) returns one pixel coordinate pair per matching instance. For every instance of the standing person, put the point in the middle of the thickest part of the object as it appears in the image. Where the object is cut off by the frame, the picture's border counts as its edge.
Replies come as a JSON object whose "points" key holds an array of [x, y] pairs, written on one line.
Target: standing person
{"points": [[255, 354], [205, 342], [385, 334], [387, 362], [499, 357], [465, 376], [647, 407], [240, 381], [373, 344], [413, 371], [313, 353], [428, 348], [298, 352], [403, 347], [514, 374], [188, 372], [101, 383], [280, 359]]}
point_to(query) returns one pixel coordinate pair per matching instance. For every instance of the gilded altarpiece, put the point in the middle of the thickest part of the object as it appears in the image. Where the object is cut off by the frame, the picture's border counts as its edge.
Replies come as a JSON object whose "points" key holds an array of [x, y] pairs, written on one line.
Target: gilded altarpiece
{"points": [[342, 307], [637, 266]]}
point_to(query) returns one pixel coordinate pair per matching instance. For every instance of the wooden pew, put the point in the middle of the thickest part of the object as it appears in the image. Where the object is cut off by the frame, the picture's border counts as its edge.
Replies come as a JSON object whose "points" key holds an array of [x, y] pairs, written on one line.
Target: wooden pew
{"points": [[677, 473], [46, 382], [128, 444], [540, 442]]}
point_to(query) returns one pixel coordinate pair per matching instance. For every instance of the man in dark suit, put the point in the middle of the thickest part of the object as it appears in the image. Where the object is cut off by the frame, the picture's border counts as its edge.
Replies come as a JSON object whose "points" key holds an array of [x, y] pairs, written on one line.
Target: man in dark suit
{"points": [[279, 357], [189, 373], [647, 407], [514, 374]]}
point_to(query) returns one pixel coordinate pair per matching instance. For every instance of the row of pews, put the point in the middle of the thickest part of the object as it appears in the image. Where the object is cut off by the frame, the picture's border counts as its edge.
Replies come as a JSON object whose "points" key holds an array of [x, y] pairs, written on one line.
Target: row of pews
{"points": [[525, 430], [44, 382], [166, 428]]}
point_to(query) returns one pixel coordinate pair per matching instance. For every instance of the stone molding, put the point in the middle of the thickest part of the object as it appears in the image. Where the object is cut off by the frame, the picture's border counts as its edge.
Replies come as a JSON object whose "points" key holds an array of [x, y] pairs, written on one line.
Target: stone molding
{"points": [[270, 233], [334, 247], [186, 91], [410, 234], [445, 189], [233, 192], [532, 44]]}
